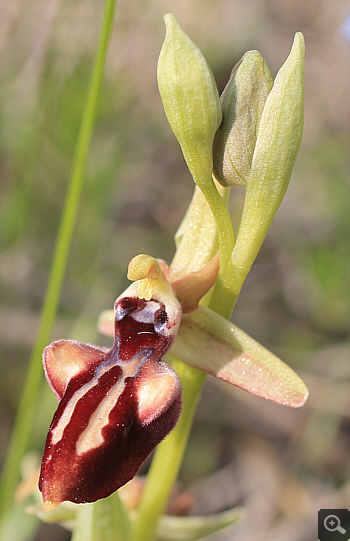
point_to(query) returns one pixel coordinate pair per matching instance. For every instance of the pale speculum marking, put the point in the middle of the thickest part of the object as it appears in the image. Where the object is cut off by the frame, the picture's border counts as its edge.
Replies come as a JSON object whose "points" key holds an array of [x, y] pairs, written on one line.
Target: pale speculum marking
{"points": [[57, 432], [92, 436]]}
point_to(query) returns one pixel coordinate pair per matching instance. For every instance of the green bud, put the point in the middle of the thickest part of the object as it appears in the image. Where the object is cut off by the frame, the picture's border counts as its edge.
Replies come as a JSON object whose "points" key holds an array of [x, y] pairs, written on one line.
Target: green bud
{"points": [[243, 101], [190, 98], [276, 149]]}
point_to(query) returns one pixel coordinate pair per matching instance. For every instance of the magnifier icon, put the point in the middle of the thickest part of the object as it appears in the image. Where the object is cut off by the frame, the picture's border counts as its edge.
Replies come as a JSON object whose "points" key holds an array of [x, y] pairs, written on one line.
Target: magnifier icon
{"points": [[332, 524]]}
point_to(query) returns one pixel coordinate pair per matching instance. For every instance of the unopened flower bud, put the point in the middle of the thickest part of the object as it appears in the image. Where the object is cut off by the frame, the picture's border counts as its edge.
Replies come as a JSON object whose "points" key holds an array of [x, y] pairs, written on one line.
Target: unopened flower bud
{"points": [[243, 101], [190, 98], [279, 136]]}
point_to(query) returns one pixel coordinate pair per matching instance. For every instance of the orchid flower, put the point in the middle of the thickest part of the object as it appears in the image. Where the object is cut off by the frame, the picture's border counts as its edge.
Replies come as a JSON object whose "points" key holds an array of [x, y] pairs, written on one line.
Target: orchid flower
{"points": [[116, 405]]}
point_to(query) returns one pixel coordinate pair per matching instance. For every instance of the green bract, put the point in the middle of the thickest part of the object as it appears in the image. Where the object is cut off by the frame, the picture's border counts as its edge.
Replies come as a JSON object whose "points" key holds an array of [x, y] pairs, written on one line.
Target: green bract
{"points": [[190, 98], [196, 238], [276, 149], [243, 102], [93, 522]]}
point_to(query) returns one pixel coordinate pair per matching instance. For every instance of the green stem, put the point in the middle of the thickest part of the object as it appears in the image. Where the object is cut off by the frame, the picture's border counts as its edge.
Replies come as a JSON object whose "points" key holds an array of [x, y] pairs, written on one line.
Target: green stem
{"points": [[168, 456], [27, 405], [223, 291]]}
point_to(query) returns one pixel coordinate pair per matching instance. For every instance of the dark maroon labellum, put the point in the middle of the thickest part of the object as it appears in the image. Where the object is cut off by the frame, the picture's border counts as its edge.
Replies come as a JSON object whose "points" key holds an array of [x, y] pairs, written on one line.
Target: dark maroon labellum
{"points": [[115, 407]]}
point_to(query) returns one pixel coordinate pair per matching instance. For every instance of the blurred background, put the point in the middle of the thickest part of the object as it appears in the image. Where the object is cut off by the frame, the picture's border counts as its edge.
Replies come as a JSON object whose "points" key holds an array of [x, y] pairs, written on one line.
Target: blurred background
{"points": [[282, 465]]}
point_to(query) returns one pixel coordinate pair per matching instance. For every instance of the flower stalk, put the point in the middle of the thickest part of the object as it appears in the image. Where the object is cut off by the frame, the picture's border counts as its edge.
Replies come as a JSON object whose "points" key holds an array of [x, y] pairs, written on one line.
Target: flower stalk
{"points": [[168, 456], [272, 139]]}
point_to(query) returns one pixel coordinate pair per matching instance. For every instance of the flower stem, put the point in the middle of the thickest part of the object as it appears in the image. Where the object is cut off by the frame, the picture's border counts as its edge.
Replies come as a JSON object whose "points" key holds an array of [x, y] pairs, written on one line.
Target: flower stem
{"points": [[28, 402], [168, 456], [223, 291]]}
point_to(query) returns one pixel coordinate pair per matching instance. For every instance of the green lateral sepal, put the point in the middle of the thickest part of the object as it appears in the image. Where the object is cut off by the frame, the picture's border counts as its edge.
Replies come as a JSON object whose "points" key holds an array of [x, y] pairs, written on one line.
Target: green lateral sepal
{"points": [[211, 343]]}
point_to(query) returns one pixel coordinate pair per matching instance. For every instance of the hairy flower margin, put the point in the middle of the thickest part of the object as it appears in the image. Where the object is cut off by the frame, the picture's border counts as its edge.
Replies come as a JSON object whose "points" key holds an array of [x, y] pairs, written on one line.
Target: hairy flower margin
{"points": [[116, 405]]}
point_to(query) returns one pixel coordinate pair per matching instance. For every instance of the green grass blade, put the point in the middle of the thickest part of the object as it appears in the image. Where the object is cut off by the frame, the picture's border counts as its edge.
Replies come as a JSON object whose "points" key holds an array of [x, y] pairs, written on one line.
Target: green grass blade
{"points": [[26, 409]]}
